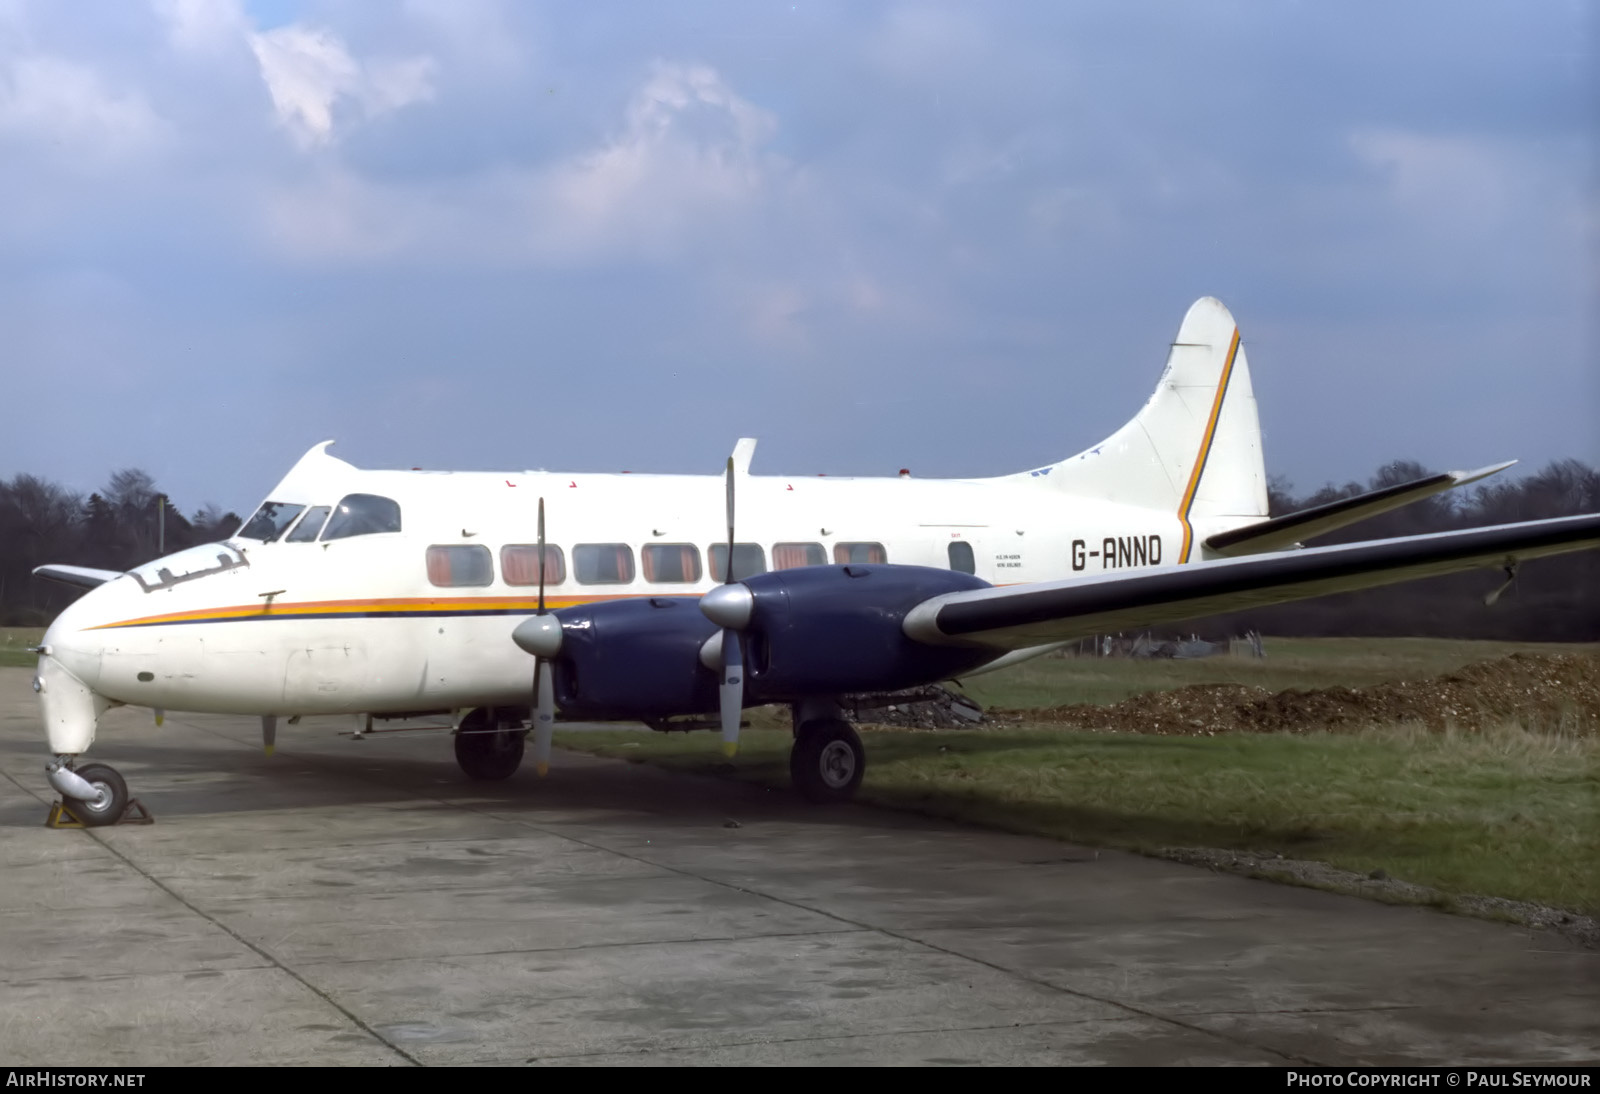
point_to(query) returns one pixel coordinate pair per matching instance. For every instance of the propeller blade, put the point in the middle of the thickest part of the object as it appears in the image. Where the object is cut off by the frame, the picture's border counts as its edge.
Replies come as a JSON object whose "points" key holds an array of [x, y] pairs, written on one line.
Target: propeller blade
{"points": [[269, 732], [731, 692], [544, 715], [541, 556], [728, 576], [544, 688]]}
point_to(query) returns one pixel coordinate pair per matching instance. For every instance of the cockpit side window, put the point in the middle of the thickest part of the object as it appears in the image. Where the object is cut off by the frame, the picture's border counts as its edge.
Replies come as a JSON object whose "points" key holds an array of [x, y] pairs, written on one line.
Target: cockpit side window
{"points": [[269, 521], [362, 515], [310, 524]]}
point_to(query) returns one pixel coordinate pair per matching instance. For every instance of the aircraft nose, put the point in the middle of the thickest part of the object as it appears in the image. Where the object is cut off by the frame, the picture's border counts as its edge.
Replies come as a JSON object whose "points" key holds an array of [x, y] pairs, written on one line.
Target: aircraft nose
{"points": [[73, 640]]}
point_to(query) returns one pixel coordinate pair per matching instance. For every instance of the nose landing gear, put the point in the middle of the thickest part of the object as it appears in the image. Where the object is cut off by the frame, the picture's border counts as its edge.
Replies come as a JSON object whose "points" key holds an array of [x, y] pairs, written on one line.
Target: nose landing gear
{"points": [[91, 796]]}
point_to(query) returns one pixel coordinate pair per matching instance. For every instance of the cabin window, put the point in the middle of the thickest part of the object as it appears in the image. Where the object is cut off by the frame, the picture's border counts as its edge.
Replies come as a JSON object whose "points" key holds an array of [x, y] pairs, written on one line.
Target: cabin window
{"points": [[961, 559], [310, 524], [845, 553], [790, 556], [748, 560], [456, 566], [362, 515], [603, 563], [671, 563], [519, 564], [269, 521]]}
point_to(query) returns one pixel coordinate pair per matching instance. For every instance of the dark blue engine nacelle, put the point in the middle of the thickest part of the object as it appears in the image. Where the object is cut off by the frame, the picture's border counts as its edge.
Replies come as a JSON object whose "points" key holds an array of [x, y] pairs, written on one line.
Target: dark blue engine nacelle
{"points": [[836, 630], [634, 658], [815, 630]]}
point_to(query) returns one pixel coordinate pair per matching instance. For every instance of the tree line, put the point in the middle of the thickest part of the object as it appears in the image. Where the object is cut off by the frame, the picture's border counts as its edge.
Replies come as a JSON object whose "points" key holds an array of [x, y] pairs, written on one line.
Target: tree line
{"points": [[129, 521], [126, 522], [1551, 599]]}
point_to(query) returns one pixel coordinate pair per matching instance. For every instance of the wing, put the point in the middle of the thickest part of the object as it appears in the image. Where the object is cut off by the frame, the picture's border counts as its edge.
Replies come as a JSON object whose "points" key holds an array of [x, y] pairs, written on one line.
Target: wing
{"points": [[82, 576], [1028, 615], [1286, 531]]}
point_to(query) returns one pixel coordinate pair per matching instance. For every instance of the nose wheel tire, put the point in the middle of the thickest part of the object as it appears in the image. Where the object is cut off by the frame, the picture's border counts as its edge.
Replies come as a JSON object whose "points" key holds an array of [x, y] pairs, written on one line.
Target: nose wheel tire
{"points": [[487, 752], [827, 761], [113, 800]]}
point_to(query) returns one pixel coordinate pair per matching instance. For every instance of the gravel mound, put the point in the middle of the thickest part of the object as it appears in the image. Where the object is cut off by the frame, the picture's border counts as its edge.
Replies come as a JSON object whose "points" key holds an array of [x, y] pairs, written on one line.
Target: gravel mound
{"points": [[1533, 689], [919, 708]]}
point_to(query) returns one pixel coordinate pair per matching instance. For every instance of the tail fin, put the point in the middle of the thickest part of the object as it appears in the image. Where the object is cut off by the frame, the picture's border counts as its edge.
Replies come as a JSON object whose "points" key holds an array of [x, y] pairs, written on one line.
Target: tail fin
{"points": [[1195, 448]]}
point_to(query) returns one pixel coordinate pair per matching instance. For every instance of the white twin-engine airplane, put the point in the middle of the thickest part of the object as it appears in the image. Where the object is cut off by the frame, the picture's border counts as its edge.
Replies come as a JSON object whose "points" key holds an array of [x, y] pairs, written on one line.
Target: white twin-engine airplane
{"points": [[398, 593]]}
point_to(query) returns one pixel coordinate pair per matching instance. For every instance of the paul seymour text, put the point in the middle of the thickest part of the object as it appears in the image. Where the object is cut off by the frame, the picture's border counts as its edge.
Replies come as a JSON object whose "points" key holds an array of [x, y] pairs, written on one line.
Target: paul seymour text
{"points": [[1462, 1078]]}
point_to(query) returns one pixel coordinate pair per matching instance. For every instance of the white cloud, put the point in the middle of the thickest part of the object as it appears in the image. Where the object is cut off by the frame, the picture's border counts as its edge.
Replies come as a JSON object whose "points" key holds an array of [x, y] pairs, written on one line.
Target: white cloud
{"points": [[477, 31], [923, 44], [316, 85], [1453, 177], [51, 100], [691, 151], [203, 26], [689, 160]]}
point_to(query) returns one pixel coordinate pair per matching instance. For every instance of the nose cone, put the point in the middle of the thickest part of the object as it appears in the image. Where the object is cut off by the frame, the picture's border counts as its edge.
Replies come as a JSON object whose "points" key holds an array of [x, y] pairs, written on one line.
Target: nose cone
{"points": [[72, 639], [68, 677]]}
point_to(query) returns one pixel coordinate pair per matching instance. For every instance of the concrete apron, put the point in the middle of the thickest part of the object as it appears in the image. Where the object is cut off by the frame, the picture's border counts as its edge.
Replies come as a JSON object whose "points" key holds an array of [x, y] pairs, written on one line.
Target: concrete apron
{"points": [[361, 902]]}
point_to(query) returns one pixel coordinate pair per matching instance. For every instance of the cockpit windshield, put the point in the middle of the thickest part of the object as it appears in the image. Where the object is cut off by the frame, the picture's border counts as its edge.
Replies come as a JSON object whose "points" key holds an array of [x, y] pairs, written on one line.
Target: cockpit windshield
{"points": [[306, 531], [269, 521], [362, 515]]}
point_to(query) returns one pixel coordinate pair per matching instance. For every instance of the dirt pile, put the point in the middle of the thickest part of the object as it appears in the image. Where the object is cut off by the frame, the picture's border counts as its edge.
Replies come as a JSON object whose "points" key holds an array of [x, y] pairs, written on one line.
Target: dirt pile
{"points": [[1534, 690]]}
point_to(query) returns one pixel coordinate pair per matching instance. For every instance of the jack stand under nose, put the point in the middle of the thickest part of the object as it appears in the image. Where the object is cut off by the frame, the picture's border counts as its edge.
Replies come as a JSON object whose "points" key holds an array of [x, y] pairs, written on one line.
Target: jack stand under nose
{"points": [[62, 816]]}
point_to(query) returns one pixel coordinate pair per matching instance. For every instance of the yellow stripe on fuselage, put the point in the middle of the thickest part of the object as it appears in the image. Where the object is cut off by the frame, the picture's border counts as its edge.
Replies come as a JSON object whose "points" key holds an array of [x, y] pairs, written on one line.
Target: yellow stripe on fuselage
{"points": [[391, 607], [1205, 449]]}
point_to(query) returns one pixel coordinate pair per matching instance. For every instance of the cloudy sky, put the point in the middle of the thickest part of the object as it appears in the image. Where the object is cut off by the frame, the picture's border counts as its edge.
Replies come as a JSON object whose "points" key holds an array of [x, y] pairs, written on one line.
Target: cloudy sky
{"points": [[956, 238]]}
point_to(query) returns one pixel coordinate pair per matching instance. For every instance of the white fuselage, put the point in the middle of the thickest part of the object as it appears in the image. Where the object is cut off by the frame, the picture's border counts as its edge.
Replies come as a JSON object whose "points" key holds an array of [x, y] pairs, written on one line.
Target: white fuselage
{"points": [[359, 624], [405, 600]]}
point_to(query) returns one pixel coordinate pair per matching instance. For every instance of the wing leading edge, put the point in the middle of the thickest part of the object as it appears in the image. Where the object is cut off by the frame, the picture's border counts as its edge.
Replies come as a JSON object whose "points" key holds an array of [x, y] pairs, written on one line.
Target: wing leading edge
{"points": [[1028, 615]]}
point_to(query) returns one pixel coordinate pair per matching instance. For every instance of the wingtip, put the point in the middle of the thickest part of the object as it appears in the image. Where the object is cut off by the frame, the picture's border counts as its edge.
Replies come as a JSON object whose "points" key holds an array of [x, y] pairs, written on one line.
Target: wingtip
{"points": [[1463, 477]]}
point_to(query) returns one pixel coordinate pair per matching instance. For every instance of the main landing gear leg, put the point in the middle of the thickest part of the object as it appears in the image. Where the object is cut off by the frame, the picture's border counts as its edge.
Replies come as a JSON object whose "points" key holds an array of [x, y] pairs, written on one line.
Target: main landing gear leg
{"points": [[827, 761], [487, 748]]}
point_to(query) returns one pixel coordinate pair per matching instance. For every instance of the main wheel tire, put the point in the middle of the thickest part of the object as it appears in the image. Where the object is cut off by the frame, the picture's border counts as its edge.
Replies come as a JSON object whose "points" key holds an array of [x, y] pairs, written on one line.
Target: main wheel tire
{"points": [[113, 796], [486, 751], [827, 761]]}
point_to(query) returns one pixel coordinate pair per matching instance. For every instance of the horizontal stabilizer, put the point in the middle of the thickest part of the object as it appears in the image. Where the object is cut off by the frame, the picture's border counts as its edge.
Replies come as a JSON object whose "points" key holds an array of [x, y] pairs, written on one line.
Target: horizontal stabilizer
{"points": [[1015, 616], [1286, 531], [81, 576]]}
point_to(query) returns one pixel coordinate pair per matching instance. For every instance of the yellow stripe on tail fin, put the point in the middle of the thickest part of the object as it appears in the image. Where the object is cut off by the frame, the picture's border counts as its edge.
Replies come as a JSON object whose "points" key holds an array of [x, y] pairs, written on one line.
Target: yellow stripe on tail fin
{"points": [[1194, 449]]}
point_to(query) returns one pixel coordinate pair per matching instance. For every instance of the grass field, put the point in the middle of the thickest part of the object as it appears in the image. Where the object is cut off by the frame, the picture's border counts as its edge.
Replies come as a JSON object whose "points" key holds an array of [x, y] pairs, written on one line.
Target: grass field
{"points": [[14, 643], [1509, 811]]}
